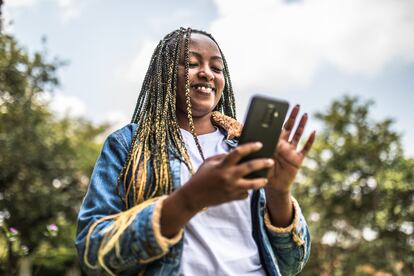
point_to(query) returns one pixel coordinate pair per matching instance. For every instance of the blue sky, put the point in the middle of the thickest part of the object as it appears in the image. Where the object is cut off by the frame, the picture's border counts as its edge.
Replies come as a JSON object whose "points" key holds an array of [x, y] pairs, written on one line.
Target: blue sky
{"points": [[308, 52]]}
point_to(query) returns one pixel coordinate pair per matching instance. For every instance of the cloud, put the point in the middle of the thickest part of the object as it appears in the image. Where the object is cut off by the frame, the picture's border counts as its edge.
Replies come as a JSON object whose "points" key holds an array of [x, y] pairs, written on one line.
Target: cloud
{"points": [[20, 3], [134, 70], [68, 9], [274, 45], [63, 105], [117, 119]]}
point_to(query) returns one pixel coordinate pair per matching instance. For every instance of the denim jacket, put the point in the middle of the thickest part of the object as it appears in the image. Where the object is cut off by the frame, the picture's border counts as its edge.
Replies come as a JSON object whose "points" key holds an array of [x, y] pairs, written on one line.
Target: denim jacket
{"points": [[143, 250]]}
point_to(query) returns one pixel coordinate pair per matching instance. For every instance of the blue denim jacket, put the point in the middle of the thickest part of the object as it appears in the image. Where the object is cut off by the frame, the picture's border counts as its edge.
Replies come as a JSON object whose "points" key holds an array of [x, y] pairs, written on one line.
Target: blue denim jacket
{"points": [[144, 251]]}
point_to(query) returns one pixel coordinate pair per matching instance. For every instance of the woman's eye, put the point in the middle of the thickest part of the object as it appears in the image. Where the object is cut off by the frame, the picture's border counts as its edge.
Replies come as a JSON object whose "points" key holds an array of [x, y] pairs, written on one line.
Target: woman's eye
{"points": [[218, 70], [193, 64]]}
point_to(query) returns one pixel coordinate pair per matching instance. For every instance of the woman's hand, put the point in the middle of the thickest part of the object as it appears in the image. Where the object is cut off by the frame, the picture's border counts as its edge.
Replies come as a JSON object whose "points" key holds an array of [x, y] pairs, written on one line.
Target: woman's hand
{"points": [[220, 179], [287, 158]]}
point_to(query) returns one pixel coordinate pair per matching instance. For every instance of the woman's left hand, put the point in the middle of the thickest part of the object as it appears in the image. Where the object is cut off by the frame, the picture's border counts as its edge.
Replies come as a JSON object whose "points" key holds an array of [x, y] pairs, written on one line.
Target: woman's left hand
{"points": [[288, 159]]}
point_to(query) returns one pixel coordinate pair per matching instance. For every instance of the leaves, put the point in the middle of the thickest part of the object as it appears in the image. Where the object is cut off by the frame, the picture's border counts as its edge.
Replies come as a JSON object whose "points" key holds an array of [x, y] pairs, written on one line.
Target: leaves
{"points": [[361, 187], [45, 162]]}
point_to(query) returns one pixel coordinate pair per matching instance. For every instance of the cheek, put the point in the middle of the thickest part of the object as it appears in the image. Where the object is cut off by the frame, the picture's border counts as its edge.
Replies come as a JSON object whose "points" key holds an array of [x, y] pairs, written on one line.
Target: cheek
{"points": [[192, 73], [220, 82]]}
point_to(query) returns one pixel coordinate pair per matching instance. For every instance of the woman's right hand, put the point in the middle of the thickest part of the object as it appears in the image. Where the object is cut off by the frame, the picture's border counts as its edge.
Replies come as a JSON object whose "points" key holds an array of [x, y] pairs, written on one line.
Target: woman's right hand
{"points": [[220, 178]]}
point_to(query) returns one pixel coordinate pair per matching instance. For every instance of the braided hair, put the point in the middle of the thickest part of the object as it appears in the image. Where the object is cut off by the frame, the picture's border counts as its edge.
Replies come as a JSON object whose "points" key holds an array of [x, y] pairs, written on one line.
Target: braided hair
{"points": [[158, 135]]}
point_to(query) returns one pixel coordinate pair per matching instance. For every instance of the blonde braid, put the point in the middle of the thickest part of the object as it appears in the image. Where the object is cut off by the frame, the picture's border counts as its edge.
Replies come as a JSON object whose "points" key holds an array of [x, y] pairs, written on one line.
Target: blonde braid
{"points": [[157, 137], [187, 93]]}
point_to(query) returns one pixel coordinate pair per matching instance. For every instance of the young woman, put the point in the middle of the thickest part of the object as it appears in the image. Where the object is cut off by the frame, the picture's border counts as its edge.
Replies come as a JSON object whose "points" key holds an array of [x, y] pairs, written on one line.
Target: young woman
{"points": [[167, 195]]}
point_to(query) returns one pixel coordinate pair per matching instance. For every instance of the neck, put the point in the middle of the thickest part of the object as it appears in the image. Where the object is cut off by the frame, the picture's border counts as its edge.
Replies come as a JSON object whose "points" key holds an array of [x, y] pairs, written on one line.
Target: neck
{"points": [[202, 124]]}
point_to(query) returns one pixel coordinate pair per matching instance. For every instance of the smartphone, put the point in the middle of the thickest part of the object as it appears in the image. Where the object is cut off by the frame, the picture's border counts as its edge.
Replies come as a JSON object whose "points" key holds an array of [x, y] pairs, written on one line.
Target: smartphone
{"points": [[263, 123]]}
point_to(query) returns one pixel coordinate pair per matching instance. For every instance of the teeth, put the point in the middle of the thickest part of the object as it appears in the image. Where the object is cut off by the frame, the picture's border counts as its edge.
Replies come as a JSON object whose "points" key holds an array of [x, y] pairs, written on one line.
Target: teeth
{"points": [[204, 89]]}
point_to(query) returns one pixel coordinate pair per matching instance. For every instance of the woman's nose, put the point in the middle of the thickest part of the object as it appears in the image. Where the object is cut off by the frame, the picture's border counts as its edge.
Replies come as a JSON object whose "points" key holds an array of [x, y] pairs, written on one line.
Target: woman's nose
{"points": [[205, 72]]}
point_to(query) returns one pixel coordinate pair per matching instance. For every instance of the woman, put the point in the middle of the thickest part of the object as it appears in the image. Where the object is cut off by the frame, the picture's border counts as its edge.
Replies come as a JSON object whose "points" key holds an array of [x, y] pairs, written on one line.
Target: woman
{"points": [[167, 196]]}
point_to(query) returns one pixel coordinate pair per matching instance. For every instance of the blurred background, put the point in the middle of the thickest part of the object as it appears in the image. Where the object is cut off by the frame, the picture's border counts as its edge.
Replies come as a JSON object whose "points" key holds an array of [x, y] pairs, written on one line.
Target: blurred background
{"points": [[70, 72]]}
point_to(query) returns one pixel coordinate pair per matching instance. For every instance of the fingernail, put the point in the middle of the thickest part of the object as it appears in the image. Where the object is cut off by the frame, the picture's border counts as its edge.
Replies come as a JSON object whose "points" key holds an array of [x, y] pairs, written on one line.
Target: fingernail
{"points": [[258, 145], [270, 162]]}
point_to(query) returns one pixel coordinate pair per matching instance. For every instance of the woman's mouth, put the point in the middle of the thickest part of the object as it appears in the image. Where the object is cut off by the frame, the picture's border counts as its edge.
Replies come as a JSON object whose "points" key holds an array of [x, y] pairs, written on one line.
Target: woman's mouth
{"points": [[203, 89]]}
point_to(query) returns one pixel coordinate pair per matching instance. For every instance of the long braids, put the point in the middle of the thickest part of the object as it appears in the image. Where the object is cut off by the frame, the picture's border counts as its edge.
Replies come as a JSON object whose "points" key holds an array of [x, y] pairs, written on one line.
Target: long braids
{"points": [[156, 140], [158, 135]]}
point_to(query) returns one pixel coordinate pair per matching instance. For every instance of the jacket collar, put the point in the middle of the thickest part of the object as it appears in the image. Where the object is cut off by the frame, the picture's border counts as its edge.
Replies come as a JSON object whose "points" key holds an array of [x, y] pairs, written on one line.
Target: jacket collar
{"points": [[231, 126]]}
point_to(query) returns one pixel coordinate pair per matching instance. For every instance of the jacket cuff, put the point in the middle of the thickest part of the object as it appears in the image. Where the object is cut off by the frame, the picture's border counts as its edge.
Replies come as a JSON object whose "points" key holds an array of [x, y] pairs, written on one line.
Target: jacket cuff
{"points": [[163, 242], [292, 228]]}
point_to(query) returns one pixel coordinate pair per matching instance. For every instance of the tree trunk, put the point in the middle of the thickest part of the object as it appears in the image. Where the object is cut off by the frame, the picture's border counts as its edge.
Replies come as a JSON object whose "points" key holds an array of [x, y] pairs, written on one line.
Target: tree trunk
{"points": [[25, 266], [11, 262], [73, 271]]}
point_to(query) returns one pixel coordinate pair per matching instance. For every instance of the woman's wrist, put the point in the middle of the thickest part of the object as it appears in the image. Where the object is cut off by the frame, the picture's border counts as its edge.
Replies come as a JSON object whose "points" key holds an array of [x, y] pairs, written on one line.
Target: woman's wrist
{"points": [[188, 200], [280, 207], [283, 195], [177, 210]]}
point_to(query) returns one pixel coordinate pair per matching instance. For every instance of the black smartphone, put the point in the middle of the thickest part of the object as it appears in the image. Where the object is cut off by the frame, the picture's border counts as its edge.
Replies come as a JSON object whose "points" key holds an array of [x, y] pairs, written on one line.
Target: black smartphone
{"points": [[263, 124]]}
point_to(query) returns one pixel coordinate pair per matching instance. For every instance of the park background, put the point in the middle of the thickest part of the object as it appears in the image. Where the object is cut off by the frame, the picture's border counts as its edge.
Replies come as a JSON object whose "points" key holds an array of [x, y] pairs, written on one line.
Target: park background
{"points": [[71, 70]]}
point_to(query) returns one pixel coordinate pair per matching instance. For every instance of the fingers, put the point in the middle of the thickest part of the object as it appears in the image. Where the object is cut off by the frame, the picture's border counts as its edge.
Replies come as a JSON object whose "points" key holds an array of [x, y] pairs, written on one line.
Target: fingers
{"points": [[299, 130], [253, 165], [287, 128], [308, 144], [238, 153], [217, 157], [248, 184]]}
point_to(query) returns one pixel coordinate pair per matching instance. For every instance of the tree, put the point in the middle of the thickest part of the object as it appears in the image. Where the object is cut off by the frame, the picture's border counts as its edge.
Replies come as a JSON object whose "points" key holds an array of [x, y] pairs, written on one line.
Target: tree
{"points": [[357, 191], [45, 161]]}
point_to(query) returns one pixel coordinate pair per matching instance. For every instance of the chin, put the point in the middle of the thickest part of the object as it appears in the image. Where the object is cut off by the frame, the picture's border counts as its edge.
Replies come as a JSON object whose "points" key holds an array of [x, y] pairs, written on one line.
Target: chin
{"points": [[201, 112], [203, 107]]}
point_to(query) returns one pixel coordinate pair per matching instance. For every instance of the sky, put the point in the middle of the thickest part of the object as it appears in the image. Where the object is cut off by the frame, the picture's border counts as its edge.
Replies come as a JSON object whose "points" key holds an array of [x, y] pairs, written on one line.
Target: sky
{"points": [[309, 52]]}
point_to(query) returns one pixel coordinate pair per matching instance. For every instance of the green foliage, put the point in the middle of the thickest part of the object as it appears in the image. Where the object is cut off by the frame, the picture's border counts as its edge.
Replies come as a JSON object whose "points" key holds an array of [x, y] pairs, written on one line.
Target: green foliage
{"points": [[45, 161], [357, 191]]}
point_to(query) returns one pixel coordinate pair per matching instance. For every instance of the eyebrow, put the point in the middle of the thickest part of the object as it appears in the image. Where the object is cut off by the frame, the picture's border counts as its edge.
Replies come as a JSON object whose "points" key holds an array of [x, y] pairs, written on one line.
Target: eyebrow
{"points": [[199, 55]]}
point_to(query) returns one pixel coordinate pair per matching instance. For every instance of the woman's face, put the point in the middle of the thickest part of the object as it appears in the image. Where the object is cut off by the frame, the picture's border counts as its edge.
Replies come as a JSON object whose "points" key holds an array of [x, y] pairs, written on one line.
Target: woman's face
{"points": [[205, 76]]}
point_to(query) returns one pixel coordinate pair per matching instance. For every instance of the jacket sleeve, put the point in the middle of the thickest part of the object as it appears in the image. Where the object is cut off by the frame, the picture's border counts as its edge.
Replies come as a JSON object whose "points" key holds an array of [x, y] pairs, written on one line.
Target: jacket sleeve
{"points": [[291, 244], [108, 237]]}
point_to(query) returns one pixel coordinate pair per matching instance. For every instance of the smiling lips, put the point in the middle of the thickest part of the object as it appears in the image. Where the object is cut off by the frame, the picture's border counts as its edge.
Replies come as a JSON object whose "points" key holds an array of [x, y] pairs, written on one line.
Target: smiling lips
{"points": [[204, 88]]}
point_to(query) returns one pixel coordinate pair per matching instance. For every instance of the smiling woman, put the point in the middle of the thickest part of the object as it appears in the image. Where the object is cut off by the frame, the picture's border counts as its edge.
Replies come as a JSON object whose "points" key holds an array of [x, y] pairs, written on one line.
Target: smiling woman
{"points": [[205, 77], [167, 195]]}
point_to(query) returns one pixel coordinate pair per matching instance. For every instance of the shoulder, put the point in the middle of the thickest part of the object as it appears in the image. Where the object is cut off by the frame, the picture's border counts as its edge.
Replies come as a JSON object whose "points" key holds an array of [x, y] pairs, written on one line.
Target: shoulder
{"points": [[124, 135]]}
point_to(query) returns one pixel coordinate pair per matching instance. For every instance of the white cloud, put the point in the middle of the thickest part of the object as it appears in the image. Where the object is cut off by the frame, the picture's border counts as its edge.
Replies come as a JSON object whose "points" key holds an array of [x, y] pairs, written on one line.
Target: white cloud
{"points": [[69, 9], [134, 70], [63, 105], [20, 3], [117, 119], [12, 9], [273, 45]]}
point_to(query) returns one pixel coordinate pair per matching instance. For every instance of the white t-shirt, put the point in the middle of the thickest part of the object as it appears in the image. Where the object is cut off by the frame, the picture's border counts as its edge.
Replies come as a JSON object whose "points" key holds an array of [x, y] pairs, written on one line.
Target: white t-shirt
{"points": [[217, 241]]}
